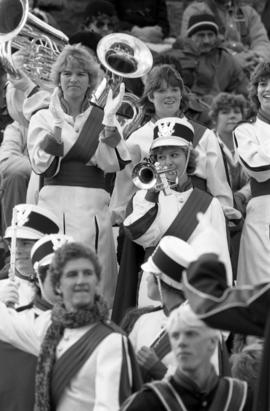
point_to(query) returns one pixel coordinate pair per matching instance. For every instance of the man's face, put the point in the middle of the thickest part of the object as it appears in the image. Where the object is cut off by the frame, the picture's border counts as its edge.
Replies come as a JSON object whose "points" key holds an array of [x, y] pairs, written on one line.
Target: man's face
{"points": [[23, 259], [78, 284], [102, 25], [191, 346], [204, 40]]}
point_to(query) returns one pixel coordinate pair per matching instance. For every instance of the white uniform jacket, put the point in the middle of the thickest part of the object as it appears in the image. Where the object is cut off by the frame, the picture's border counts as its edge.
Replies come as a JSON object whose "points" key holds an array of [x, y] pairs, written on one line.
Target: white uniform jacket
{"points": [[97, 385], [209, 167]]}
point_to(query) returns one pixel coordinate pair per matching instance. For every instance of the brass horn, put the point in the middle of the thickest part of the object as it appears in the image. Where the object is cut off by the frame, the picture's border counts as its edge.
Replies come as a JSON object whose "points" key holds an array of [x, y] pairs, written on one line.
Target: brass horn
{"points": [[147, 175], [123, 56], [19, 29]]}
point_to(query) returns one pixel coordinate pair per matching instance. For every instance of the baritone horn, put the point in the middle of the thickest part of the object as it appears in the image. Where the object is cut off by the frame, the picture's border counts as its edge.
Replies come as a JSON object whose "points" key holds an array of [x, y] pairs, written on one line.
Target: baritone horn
{"points": [[123, 56], [41, 43], [148, 175]]}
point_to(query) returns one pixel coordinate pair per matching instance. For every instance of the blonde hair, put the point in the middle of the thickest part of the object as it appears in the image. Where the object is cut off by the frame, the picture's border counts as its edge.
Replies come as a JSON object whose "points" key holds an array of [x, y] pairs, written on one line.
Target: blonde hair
{"points": [[81, 56]]}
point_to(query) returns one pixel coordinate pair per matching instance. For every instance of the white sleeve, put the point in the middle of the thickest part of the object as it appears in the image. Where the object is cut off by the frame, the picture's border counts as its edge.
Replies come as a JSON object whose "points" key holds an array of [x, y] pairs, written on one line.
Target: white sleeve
{"points": [[211, 167], [253, 151], [40, 126], [21, 331]]}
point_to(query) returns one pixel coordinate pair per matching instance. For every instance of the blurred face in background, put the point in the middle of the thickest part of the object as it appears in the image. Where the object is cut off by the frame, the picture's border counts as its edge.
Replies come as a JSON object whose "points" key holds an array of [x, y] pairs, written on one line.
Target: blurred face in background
{"points": [[204, 40], [227, 119], [101, 24]]}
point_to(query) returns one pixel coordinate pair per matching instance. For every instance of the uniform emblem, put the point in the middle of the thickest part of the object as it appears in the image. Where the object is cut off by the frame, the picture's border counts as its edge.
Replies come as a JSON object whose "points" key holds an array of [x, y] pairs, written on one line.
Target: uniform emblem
{"points": [[166, 129], [21, 216], [58, 241]]}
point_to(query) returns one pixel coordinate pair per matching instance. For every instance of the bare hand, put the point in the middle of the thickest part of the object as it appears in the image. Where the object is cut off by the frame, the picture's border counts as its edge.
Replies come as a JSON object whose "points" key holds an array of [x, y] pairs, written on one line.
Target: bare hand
{"points": [[147, 357]]}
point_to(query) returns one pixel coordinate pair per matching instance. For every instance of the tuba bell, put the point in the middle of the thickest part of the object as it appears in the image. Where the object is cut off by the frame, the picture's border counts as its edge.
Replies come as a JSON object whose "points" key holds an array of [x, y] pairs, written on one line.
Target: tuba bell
{"points": [[123, 56], [21, 30]]}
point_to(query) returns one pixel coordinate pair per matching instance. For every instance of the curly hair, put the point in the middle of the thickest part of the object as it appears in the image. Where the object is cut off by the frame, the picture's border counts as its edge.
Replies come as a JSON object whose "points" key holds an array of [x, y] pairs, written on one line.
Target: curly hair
{"points": [[69, 252], [224, 101], [80, 56], [192, 162], [261, 72], [154, 80]]}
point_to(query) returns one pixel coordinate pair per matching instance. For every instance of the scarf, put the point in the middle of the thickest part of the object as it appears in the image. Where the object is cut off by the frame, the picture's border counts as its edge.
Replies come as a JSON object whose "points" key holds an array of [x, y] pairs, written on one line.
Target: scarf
{"points": [[262, 115], [184, 381], [61, 319]]}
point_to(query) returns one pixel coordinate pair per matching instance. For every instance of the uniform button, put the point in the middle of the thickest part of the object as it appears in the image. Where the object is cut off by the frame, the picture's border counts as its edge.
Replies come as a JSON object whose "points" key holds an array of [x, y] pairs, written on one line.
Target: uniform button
{"points": [[204, 404]]}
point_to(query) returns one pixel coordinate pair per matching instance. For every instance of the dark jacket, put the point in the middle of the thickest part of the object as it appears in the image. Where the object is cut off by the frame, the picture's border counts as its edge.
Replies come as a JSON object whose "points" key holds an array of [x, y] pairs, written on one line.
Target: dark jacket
{"points": [[142, 13]]}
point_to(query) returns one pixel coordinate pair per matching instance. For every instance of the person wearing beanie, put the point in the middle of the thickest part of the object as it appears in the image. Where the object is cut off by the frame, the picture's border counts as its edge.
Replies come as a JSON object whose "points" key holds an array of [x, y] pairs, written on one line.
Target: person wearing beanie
{"points": [[214, 69], [195, 384], [84, 361], [100, 17], [240, 29]]}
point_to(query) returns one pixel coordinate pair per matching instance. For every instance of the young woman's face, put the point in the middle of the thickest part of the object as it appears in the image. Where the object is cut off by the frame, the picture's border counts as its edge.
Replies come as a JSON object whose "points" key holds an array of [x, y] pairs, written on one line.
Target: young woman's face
{"points": [[74, 81], [173, 157], [227, 119], [263, 94], [166, 100]]}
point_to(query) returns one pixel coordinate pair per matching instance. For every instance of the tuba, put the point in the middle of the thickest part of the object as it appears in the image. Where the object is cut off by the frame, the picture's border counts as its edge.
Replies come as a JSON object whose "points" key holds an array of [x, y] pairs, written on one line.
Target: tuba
{"points": [[123, 56], [42, 43]]}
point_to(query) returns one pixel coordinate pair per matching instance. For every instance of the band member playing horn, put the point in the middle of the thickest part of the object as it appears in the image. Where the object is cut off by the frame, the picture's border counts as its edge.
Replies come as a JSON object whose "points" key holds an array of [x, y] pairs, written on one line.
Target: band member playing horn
{"points": [[71, 144], [151, 214]]}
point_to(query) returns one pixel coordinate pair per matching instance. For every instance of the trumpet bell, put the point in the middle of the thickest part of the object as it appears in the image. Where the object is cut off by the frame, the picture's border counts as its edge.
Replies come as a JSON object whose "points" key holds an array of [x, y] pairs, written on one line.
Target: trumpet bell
{"points": [[124, 55], [144, 175]]}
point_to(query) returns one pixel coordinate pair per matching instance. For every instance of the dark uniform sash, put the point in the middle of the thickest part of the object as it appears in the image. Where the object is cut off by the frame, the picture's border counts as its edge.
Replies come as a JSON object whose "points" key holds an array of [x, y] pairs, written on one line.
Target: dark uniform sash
{"points": [[230, 395], [74, 358]]}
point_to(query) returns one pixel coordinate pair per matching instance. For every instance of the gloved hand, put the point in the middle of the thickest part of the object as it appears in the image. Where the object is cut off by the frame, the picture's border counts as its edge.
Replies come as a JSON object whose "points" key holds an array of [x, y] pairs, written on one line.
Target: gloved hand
{"points": [[9, 293], [20, 80], [112, 106], [55, 109]]}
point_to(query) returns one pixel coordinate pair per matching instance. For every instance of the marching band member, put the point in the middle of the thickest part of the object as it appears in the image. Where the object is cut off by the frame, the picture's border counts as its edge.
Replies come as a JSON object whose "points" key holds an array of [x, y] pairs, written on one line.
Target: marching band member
{"points": [[71, 144], [253, 150]]}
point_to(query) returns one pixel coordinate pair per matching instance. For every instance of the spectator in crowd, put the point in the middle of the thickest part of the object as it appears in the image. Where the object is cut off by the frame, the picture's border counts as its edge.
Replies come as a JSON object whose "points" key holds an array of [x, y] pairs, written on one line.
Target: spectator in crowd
{"points": [[72, 144], [195, 384], [17, 387], [240, 27], [147, 20], [77, 322], [226, 112], [247, 363], [100, 17], [251, 144], [212, 67]]}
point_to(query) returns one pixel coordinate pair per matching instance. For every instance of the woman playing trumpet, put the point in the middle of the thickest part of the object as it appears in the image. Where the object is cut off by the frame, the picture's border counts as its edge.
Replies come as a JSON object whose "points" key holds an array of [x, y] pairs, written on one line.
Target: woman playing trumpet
{"points": [[71, 144], [152, 213]]}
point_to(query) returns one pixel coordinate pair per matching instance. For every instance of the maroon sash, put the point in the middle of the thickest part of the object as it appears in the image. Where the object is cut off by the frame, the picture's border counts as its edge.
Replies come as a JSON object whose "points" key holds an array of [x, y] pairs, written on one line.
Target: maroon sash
{"points": [[74, 358]]}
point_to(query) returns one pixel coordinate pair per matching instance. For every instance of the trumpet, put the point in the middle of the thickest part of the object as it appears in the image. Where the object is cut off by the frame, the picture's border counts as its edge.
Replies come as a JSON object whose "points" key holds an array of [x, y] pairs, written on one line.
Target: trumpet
{"points": [[148, 175]]}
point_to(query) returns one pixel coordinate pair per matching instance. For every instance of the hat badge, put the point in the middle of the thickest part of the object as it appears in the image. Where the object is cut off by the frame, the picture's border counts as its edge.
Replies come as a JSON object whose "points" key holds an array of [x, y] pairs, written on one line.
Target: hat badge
{"points": [[22, 216], [57, 242], [166, 129]]}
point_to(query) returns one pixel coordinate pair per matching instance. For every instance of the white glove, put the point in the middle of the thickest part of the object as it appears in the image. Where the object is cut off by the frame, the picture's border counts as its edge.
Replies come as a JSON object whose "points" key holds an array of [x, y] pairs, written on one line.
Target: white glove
{"points": [[112, 106], [56, 110], [9, 293], [20, 80]]}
